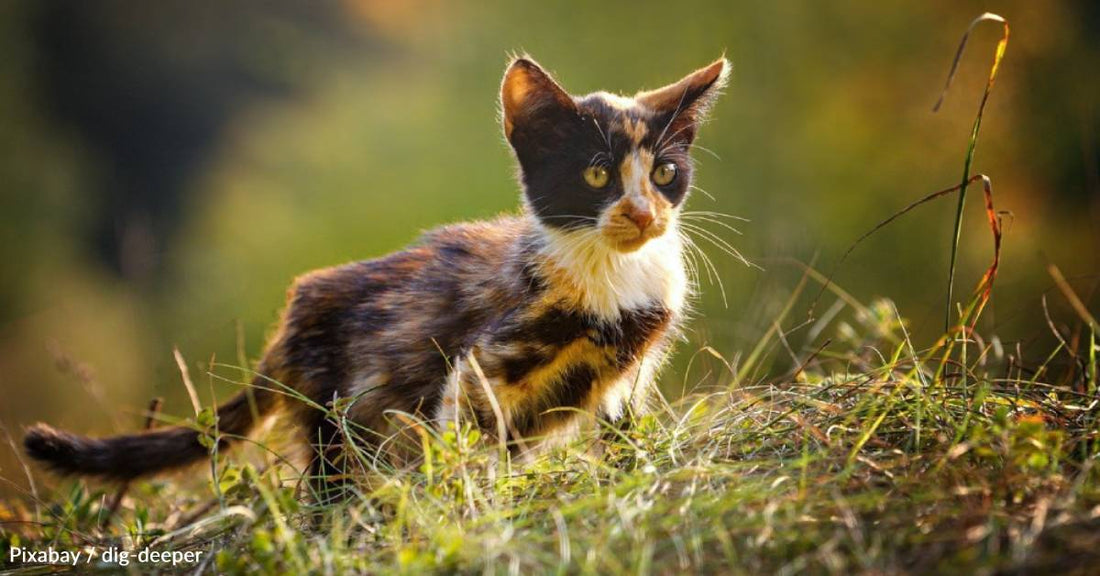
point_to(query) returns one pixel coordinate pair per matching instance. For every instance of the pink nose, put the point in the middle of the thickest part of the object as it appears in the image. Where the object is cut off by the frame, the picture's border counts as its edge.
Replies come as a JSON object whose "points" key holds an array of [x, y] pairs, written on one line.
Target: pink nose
{"points": [[641, 217]]}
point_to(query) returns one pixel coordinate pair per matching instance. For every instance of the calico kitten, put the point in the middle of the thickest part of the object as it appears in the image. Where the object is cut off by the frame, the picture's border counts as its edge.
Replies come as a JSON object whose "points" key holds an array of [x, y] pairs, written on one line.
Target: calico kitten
{"points": [[520, 325]]}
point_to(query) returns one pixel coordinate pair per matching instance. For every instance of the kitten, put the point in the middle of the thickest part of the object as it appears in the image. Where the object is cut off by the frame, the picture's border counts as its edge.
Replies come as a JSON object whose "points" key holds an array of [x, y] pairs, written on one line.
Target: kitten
{"points": [[522, 325]]}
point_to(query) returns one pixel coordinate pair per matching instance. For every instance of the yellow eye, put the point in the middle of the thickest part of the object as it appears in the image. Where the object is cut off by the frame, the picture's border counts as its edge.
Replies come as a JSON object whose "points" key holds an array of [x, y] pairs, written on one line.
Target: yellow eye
{"points": [[664, 174], [597, 176]]}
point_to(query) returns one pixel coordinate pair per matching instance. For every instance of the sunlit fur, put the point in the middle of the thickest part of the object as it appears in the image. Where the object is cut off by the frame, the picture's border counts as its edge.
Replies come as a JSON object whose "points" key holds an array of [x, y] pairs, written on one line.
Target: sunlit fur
{"points": [[528, 327]]}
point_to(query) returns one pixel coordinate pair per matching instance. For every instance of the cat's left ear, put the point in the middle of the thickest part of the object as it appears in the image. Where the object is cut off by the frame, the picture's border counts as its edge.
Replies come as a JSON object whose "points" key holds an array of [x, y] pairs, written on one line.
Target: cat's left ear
{"points": [[688, 100]]}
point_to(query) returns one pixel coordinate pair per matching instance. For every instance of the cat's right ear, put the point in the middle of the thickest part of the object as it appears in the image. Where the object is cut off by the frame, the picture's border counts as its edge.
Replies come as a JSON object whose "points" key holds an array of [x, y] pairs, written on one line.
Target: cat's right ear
{"points": [[529, 97]]}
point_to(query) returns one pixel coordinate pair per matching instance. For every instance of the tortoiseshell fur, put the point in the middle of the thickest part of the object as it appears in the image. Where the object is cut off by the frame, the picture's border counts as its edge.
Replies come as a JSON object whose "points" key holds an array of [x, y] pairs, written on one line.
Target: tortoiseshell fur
{"points": [[565, 310]]}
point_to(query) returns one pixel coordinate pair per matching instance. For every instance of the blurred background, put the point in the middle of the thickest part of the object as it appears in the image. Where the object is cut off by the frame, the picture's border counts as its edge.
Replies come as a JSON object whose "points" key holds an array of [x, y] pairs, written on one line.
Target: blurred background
{"points": [[167, 168]]}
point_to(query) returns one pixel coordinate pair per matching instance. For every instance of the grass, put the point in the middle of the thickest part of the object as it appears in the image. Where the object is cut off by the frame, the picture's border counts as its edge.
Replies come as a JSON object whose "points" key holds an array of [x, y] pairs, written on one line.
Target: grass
{"points": [[873, 454]]}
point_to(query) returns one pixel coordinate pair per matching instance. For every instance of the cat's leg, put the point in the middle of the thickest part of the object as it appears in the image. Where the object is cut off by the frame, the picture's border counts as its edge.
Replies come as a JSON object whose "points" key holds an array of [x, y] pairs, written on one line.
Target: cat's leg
{"points": [[465, 398], [470, 397], [326, 424], [352, 437], [449, 413], [631, 396], [327, 472]]}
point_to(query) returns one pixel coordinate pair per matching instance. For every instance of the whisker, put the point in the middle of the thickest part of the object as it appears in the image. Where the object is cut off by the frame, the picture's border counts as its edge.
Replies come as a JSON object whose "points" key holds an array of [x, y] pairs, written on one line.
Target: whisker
{"points": [[692, 248], [717, 214], [716, 239], [712, 269], [708, 151], [606, 140], [674, 148], [703, 192], [671, 119], [690, 263], [698, 218], [671, 143], [720, 243]]}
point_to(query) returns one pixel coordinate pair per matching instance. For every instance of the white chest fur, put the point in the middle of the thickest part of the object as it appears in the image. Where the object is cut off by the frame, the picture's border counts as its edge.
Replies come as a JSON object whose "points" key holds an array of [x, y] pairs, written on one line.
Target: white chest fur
{"points": [[608, 280]]}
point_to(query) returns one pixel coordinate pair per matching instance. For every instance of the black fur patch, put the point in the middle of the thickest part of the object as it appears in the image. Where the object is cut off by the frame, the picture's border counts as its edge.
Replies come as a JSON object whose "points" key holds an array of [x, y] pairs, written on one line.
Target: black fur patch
{"points": [[572, 391], [634, 331], [557, 327], [530, 358], [554, 150]]}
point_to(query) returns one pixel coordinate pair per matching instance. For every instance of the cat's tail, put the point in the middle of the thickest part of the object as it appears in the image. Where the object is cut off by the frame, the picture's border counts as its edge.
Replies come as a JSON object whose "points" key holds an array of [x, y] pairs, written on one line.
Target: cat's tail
{"points": [[131, 456]]}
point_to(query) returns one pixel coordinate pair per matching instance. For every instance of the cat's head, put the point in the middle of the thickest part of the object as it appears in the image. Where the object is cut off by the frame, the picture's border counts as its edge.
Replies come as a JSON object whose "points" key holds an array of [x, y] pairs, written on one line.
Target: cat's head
{"points": [[605, 163]]}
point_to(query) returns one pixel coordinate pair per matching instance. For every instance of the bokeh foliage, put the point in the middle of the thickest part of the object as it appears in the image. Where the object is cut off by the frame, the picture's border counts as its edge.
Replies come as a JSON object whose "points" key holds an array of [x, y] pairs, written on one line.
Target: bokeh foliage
{"points": [[348, 128]]}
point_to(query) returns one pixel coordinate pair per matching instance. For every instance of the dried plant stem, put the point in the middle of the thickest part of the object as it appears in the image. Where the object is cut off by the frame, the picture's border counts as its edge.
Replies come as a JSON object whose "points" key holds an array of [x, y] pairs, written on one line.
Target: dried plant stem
{"points": [[971, 145]]}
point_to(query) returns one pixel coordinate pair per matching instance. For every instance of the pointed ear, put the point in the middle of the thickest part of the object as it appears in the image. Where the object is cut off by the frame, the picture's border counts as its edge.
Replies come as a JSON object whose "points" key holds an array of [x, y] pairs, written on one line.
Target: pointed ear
{"points": [[688, 100], [528, 94]]}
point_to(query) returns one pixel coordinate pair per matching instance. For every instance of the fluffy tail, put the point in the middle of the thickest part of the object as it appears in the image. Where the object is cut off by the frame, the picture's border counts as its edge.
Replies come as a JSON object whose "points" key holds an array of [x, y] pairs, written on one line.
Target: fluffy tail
{"points": [[133, 455]]}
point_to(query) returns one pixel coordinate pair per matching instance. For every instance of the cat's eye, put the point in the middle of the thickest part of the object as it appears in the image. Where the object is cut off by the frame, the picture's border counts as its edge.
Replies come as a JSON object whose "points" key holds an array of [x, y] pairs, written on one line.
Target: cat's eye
{"points": [[664, 174], [597, 176]]}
